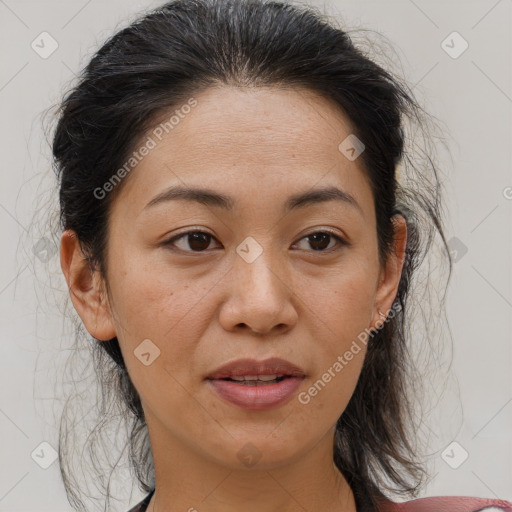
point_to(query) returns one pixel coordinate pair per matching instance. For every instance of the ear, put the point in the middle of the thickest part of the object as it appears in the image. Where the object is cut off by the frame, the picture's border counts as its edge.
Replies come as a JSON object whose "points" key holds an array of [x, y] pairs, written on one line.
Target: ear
{"points": [[86, 288], [389, 277]]}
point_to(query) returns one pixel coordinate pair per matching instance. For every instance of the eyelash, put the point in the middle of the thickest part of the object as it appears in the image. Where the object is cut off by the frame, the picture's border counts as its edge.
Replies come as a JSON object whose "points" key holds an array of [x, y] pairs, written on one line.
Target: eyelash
{"points": [[341, 242]]}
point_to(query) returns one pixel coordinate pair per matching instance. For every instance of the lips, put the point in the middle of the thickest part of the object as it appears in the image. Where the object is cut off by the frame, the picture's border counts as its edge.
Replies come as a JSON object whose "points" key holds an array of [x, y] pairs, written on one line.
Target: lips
{"points": [[252, 370], [256, 385]]}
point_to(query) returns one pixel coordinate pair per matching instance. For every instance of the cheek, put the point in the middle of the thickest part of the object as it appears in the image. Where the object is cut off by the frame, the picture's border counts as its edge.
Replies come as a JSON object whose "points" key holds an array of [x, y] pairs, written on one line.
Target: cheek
{"points": [[340, 306], [165, 308], [152, 300], [343, 299]]}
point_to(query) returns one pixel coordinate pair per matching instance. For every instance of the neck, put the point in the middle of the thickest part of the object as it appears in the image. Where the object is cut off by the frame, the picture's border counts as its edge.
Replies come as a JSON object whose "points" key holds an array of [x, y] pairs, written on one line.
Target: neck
{"points": [[186, 479]]}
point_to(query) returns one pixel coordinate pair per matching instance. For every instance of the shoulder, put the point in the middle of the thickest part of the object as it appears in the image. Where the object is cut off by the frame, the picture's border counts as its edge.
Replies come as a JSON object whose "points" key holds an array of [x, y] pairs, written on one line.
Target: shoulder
{"points": [[447, 504]]}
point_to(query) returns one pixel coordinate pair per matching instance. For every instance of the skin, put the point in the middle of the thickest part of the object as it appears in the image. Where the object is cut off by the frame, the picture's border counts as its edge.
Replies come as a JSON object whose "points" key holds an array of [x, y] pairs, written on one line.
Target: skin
{"points": [[205, 308]]}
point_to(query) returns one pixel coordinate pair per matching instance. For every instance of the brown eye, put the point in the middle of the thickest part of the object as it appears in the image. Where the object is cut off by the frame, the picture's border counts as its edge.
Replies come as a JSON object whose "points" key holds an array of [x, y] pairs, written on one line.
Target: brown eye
{"points": [[197, 241], [320, 241]]}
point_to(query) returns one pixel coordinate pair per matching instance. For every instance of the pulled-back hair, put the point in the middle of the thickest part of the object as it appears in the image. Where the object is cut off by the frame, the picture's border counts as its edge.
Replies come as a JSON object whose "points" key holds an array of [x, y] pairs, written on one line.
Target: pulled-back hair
{"points": [[181, 49]]}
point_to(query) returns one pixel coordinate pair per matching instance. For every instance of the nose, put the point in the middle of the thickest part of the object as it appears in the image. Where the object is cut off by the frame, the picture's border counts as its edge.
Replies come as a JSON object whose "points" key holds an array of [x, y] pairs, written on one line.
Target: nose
{"points": [[260, 297]]}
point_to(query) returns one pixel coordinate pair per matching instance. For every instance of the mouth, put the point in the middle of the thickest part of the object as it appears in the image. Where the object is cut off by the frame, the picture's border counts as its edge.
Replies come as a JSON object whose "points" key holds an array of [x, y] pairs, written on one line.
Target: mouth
{"points": [[251, 370], [256, 385], [257, 380]]}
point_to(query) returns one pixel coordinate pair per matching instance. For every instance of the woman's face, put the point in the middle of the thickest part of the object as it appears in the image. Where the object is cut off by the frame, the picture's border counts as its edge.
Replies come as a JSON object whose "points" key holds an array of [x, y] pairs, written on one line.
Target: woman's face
{"points": [[254, 284]]}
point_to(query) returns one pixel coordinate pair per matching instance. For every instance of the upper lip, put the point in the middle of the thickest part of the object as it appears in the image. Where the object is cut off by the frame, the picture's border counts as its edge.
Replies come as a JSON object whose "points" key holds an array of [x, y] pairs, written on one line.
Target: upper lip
{"points": [[242, 367]]}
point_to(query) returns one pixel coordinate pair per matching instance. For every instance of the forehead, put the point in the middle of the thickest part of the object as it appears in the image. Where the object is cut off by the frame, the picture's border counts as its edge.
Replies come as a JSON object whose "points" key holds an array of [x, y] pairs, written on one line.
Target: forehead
{"points": [[264, 122], [244, 141]]}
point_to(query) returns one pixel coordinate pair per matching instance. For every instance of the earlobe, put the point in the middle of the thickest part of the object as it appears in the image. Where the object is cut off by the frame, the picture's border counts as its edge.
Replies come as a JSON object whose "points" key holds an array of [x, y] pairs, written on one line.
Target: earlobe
{"points": [[86, 288], [389, 278]]}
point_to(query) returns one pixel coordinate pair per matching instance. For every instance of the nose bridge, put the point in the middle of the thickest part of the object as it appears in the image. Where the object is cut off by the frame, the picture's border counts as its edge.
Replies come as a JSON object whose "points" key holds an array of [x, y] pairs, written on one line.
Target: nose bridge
{"points": [[259, 297], [258, 268]]}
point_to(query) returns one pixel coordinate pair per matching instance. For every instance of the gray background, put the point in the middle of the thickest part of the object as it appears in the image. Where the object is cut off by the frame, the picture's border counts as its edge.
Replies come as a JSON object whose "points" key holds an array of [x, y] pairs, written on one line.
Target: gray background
{"points": [[470, 94]]}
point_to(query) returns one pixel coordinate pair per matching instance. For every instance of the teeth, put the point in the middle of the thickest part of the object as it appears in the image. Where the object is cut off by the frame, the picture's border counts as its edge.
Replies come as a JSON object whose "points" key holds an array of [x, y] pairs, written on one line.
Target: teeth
{"points": [[267, 377], [256, 377]]}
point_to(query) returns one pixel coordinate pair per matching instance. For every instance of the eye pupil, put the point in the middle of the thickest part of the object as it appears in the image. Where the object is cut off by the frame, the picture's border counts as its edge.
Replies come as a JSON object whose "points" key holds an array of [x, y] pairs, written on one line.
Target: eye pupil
{"points": [[319, 237], [197, 241]]}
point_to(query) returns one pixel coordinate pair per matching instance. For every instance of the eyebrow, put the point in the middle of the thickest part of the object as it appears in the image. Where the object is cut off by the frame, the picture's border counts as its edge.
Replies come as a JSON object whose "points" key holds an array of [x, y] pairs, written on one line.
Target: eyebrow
{"points": [[210, 197]]}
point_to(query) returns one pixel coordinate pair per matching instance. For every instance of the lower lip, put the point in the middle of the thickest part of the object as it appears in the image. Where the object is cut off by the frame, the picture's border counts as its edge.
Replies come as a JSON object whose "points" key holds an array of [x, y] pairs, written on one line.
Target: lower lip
{"points": [[259, 397]]}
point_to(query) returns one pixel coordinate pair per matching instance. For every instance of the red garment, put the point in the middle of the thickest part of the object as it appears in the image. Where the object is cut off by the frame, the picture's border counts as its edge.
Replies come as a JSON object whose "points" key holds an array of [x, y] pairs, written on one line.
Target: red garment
{"points": [[433, 504], [448, 504]]}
